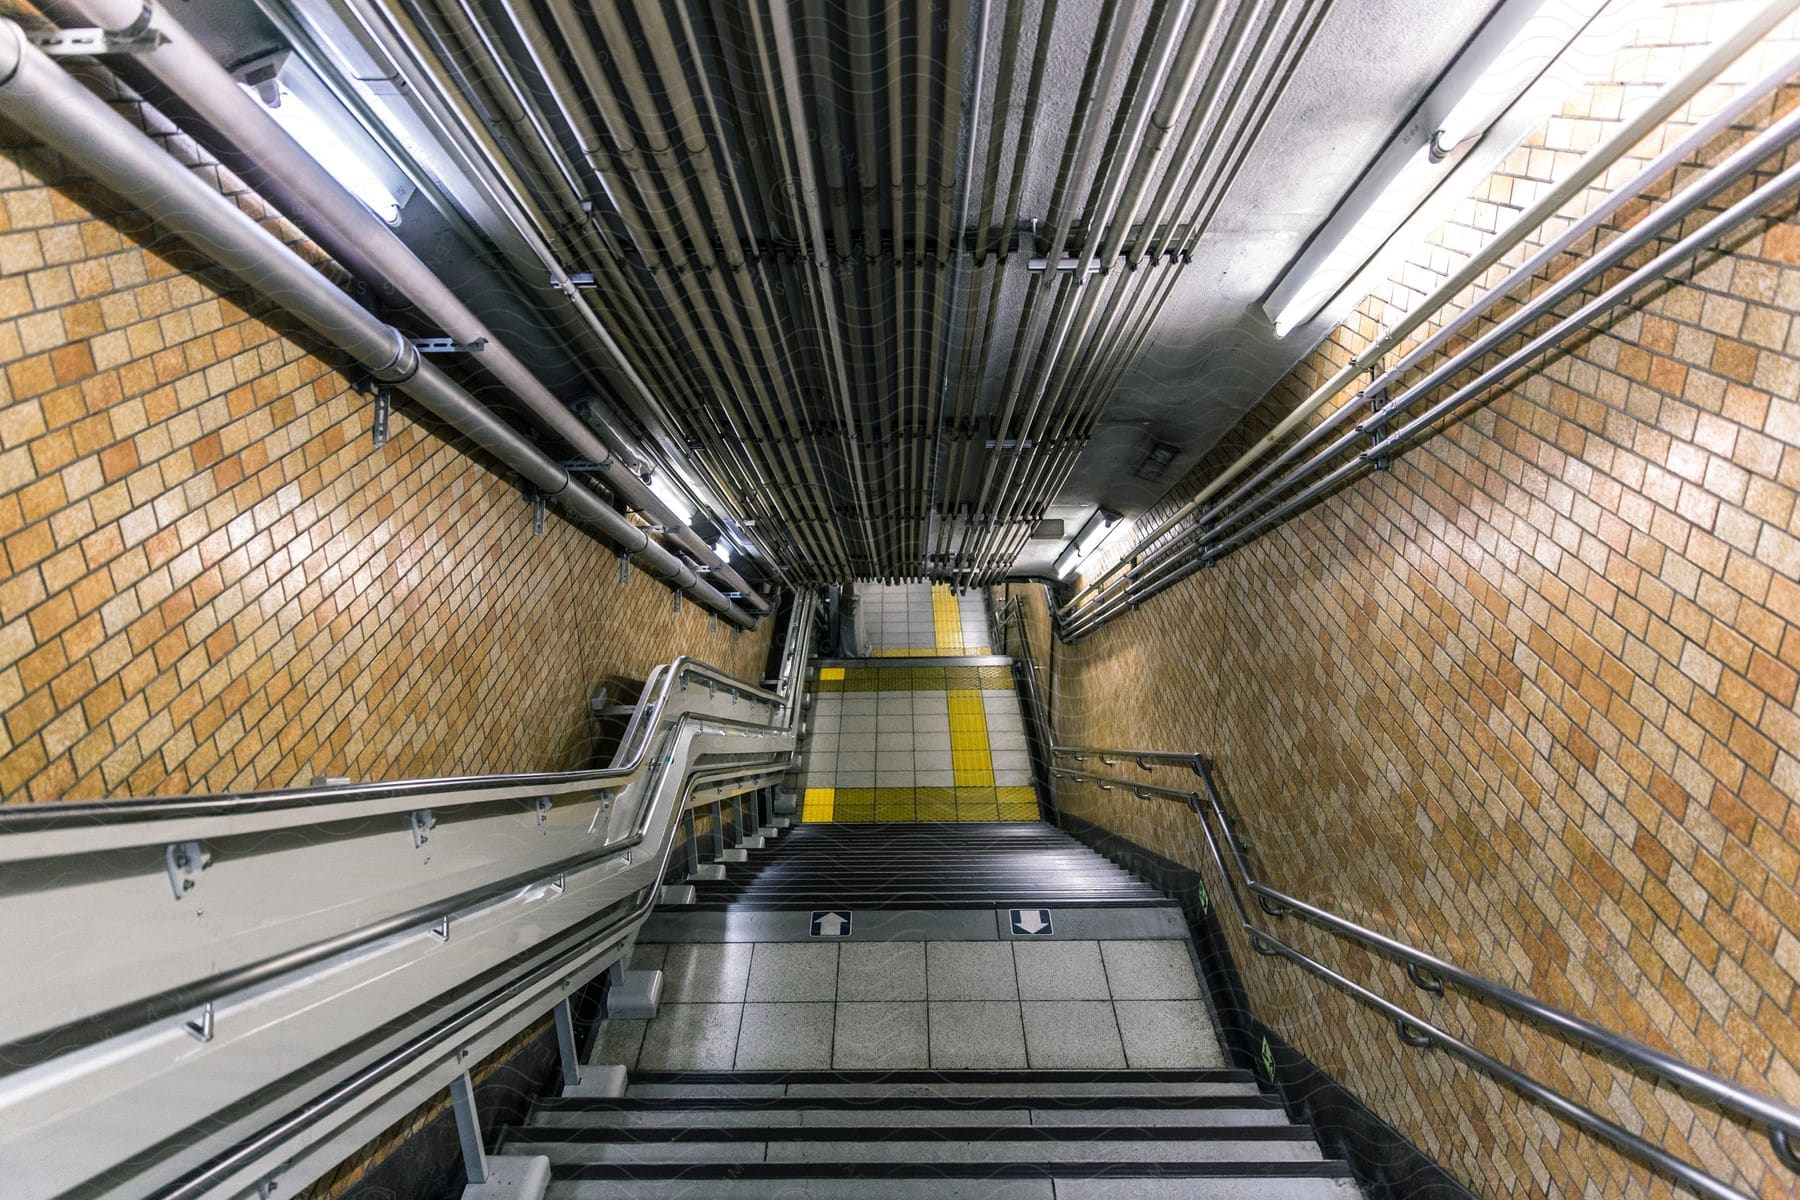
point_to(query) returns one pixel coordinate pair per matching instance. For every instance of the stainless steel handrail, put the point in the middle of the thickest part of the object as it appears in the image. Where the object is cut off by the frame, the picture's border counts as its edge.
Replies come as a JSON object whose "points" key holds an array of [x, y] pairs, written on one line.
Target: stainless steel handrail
{"points": [[199, 1182], [38, 832], [1432, 974], [471, 789]]}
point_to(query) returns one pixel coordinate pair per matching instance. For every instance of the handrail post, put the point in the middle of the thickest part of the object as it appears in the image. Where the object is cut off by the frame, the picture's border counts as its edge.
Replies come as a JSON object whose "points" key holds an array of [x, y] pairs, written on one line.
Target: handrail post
{"points": [[468, 1128]]}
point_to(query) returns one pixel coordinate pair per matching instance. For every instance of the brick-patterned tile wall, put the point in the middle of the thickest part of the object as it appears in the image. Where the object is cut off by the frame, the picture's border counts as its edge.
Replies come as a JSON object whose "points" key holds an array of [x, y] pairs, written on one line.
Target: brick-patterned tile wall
{"points": [[214, 581], [1527, 700]]}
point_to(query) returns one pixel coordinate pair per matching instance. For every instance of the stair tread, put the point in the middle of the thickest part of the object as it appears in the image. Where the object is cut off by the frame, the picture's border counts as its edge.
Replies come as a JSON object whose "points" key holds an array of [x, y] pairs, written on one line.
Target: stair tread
{"points": [[1116, 1184], [1243, 1152], [979, 1169], [937, 1113], [1090, 1132]]}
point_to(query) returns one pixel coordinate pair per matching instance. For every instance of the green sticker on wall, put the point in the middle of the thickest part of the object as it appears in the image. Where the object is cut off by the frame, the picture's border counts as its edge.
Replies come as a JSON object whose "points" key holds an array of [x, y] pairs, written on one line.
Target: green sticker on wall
{"points": [[1268, 1060]]}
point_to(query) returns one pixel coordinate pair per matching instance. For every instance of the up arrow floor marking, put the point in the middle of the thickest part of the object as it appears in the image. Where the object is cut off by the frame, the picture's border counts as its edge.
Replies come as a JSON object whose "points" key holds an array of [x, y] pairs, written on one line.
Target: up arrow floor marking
{"points": [[829, 923]]}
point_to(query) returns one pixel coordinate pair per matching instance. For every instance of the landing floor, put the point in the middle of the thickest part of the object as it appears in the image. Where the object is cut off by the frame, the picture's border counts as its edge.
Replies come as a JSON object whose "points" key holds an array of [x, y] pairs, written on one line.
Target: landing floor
{"points": [[950, 1005]]}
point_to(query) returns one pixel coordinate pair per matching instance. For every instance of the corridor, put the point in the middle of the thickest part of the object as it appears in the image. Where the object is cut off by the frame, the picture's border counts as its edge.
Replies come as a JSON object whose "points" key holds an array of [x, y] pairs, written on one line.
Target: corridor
{"points": [[828, 600]]}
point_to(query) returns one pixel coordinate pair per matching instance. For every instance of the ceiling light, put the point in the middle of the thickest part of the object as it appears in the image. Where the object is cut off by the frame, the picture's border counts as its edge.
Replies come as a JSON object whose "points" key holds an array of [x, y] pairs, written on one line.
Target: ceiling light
{"points": [[1086, 542], [665, 490], [1532, 48], [318, 139], [1509, 73], [1377, 223], [723, 550]]}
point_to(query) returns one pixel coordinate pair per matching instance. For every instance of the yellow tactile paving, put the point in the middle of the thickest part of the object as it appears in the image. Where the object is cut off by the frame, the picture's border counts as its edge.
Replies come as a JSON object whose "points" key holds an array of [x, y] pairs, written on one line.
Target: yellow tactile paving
{"points": [[971, 758], [946, 619], [817, 804], [920, 804]]}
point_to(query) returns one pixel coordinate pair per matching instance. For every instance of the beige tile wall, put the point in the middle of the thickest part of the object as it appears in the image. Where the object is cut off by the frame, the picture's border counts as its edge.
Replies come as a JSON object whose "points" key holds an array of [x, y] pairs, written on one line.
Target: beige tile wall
{"points": [[212, 579], [1526, 700]]}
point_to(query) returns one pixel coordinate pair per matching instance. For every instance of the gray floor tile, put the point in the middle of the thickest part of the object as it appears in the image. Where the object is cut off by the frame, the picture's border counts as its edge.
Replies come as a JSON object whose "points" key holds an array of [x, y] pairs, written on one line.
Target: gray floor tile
{"points": [[786, 971], [936, 778], [691, 1037], [970, 1035], [970, 971], [1150, 970], [785, 1037], [881, 971], [1167, 1033], [1068, 1034], [889, 1035], [706, 972], [618, 1042], [1060, 971]]}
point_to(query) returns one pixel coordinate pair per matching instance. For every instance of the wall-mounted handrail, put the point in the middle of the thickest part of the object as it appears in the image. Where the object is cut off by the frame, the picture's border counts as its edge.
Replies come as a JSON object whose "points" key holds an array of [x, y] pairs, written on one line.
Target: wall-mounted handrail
{"points": [[219, 1169], [308, 929], [1431, 974]]}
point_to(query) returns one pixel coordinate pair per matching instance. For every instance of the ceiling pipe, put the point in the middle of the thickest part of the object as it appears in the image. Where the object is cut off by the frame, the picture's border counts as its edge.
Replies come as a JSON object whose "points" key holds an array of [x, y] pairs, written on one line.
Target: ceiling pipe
{"points": [[1203, 543], [1078, 162], [1175, 59], [1247, 110], [45, 101], [1622, 139], [363, 242], [453, 90], [650, 223]]}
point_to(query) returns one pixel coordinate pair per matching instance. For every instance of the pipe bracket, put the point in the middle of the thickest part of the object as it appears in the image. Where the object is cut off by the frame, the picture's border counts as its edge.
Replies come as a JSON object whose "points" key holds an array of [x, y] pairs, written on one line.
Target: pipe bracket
{"points": [[90, 42]]}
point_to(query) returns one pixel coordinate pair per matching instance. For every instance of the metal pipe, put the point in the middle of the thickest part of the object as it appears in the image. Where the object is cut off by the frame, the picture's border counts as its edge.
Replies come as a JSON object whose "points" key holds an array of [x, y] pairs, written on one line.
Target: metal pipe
{"points": [[1065, 424], [47, 102], [1775, 190], [356, 237], [1677, 208], [1622, 139]]}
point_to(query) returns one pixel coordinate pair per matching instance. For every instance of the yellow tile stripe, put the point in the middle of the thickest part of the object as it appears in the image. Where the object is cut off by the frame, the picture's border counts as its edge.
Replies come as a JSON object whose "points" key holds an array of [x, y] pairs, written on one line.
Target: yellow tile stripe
{"points": [[920, 804], [971, 756], [818, 804], [946, 619]]}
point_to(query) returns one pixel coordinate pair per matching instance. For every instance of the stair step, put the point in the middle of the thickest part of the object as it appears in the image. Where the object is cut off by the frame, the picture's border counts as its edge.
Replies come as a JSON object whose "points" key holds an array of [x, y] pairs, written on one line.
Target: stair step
{"points": [[965, 1181], [916, 1144], [975, 1188], [857, 1091], [1145, 1113]]}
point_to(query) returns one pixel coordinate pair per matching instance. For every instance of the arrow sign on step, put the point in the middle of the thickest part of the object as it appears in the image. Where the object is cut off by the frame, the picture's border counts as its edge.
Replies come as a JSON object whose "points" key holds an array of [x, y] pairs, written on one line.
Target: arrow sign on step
{"points": [[826, 923], [1030, 922]]}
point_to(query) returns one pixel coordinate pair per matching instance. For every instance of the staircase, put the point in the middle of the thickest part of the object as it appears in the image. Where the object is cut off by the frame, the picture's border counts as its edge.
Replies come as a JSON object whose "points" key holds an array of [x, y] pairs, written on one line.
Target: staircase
{"points": [[935, 1050], [926, 866]]}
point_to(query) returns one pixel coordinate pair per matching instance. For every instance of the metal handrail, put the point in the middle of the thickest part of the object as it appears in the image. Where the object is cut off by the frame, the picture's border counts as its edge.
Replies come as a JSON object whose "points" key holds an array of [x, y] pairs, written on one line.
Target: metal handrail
{"points": [[321, 800], [1427, 971], [61, 830], [1432, 974], [202, 1180]]}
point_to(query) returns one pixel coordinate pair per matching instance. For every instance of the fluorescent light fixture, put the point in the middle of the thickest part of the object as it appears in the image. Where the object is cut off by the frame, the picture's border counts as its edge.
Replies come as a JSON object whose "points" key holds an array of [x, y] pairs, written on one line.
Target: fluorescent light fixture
{"points": [[665, 490], [1086, 542], [1377, 223], [304, 124], [1533, 47]]}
